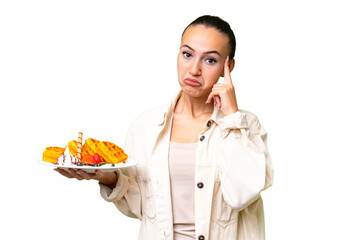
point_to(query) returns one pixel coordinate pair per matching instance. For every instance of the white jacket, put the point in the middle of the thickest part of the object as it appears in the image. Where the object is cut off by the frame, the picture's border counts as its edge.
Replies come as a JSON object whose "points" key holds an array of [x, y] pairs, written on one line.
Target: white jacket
{"points": [[232, 163]]}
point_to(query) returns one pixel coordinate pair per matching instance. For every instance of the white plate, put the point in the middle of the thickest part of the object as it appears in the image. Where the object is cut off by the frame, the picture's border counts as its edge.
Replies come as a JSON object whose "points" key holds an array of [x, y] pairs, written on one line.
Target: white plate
{"points": [[89, 169]]}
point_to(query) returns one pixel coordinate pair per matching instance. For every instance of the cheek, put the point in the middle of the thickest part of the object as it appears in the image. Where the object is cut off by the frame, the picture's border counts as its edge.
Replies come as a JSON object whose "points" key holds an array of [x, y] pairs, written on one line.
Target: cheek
{"points": [[213, 74], [180, 65]]}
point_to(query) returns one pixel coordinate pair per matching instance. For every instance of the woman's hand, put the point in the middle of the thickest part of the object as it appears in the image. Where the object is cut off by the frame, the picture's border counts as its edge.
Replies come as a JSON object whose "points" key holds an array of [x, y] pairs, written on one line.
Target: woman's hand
{"points": [[107, 178], [224, 93]]}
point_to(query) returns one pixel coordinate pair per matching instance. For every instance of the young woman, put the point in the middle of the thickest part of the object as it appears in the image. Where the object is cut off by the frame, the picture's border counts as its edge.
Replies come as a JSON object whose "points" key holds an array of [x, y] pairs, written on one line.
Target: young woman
{"points": [[203, 161]]}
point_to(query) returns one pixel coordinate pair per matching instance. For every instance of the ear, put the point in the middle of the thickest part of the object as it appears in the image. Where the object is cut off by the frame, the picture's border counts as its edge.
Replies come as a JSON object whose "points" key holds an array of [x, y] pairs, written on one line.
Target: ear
{"points": [[231, 66]]}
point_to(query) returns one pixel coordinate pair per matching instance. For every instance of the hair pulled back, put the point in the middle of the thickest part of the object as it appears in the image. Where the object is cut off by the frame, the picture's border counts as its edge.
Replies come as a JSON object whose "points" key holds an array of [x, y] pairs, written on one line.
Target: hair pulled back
{"points": [[219, 24]]}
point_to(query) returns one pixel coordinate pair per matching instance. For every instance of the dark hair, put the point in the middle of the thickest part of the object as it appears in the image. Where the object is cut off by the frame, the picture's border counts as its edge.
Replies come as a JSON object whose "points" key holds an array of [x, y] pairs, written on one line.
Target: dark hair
{"points": [[220, 25]]}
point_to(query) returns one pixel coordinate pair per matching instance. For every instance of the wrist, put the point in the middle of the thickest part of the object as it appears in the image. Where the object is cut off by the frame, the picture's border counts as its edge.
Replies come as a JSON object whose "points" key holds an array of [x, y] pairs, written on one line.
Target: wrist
{"points": [[109, 179]]}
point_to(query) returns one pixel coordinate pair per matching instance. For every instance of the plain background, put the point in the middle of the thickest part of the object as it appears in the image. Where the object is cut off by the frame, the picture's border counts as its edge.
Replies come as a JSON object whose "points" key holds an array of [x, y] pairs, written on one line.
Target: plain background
{"points": [[93, 66]]}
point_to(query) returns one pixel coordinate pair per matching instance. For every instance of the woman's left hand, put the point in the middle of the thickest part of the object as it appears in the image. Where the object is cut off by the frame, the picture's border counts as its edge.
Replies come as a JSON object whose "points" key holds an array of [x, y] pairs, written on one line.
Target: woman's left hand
{"points": [[224, 93]]}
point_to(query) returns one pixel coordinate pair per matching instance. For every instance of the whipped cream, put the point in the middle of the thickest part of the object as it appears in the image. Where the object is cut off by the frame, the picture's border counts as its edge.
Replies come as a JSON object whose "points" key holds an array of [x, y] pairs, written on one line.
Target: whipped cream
{"points": [[67, 159]]}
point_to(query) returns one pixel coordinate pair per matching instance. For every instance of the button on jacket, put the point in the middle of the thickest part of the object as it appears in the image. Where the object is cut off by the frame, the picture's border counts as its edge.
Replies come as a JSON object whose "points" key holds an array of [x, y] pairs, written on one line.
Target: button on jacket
{"points": [[232, 167]]}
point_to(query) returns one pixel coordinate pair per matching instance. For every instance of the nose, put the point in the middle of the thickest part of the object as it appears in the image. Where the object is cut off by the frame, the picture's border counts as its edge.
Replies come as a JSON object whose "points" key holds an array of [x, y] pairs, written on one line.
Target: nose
{"points": [[195, 68]]}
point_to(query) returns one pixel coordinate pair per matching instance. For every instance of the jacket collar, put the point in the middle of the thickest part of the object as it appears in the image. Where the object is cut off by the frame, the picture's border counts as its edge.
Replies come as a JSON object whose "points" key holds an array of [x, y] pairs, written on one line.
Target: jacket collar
{"points": [[169, 109]]}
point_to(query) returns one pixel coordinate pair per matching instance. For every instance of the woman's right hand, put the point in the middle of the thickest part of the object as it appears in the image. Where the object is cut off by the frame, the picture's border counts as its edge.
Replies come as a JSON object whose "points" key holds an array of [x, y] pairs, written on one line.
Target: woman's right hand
{"points": [[107, 178]]}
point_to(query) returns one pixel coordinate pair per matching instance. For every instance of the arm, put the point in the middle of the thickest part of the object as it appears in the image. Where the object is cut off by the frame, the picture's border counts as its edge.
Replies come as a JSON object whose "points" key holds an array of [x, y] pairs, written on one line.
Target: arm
{"points": [[246, 167], [125, 195]]}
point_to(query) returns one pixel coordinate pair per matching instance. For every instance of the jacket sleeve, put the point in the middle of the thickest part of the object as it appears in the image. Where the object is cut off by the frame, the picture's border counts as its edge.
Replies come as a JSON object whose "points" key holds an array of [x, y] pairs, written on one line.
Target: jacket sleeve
{"points": [[246, 167], [126, 195]]}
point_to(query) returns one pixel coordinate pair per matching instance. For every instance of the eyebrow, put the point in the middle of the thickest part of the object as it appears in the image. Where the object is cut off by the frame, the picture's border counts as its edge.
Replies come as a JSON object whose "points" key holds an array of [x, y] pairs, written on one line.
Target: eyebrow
{"points": [[209, 52]]}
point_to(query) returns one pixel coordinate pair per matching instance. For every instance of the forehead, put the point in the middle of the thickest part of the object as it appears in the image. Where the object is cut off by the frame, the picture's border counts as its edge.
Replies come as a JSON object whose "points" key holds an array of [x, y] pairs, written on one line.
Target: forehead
{"points": [[203, 39]]}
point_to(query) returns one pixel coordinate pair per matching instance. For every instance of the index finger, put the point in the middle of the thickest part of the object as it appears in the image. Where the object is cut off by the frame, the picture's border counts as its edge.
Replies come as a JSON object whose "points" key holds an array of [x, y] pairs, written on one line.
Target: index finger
{"points": [[227, 77]]}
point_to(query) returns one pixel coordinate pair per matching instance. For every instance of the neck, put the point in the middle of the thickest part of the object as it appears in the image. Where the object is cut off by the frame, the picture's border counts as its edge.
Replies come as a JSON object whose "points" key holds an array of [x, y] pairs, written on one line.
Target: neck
{"points": [[193, 107]]}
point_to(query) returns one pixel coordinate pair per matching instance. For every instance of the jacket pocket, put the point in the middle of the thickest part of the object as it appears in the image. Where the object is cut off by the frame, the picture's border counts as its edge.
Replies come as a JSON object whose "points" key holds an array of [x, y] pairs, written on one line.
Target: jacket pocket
{"points": [[147, 196], [222, 213]]}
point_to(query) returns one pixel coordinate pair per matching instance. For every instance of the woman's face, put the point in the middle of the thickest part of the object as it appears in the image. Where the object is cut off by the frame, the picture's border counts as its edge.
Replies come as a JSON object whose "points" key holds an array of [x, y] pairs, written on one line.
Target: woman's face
{"points": [[200, 62]]}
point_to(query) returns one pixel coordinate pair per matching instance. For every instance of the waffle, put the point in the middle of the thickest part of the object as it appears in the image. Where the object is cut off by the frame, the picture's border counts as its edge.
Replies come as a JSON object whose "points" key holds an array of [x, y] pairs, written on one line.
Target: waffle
{"points": [[51, 154], [72, 145], [73, 148], [110, 152], [90, 146]]}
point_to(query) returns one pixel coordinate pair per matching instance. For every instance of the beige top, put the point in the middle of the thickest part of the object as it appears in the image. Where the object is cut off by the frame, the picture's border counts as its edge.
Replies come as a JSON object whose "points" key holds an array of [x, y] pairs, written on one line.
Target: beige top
{"points": [[182, 158]]}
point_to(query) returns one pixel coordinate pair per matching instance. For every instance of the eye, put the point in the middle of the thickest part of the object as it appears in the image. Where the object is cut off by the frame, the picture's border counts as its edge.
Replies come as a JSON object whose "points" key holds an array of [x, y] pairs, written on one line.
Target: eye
{"points": [[211, 60], [186, 54]]}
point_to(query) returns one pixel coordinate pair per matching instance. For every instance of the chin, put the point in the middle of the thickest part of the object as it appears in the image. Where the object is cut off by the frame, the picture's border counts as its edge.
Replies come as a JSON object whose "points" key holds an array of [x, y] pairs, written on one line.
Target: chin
{"points": [[194, 92]]}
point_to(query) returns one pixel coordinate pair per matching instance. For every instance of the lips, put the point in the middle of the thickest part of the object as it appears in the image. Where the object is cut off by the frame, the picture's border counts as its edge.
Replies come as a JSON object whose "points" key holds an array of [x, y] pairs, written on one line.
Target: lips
{"points": [[192, 82]]}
